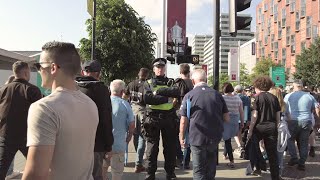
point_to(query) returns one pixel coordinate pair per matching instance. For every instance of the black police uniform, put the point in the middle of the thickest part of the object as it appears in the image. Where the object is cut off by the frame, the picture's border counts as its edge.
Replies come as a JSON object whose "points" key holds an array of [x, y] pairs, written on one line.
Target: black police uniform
{"points": [[161, 117]]}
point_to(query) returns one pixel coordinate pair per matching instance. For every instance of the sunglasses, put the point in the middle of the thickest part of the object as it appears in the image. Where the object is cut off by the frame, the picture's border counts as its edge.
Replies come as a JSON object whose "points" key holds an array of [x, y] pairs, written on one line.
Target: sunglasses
{"points": [[38, 65]]}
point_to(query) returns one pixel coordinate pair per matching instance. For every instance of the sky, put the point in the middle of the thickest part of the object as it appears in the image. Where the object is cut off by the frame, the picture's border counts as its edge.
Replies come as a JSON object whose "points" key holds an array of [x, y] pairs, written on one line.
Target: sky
{"points": [[25, 25]]}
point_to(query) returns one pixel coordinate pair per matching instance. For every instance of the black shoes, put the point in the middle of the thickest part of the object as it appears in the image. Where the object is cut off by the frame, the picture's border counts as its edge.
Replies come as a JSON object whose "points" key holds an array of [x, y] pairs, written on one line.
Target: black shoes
{"points": [[171, 176], [312, 152], [301, 167], [293, 162]]}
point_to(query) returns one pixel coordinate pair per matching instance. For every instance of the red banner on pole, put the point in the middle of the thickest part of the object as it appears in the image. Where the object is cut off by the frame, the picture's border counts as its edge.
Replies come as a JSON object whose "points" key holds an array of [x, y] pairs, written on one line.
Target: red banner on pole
{"points": [[176, 21]]}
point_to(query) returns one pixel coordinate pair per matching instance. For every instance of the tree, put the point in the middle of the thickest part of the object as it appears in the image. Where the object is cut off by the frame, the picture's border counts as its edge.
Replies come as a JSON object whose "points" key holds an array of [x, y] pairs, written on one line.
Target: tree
{"points": [[245, 79], [262, 68], [223, 78], [124, 42], [308, 64]]}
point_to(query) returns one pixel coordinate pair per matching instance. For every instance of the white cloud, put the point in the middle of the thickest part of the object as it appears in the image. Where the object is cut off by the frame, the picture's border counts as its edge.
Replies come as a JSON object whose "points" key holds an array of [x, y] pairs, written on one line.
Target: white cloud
{"points": [[196, 5], [150, 9]]}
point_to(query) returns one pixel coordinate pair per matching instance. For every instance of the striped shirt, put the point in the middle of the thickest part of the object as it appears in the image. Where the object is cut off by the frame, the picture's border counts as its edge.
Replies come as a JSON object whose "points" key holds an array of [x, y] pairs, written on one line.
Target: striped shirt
{"points": [[233, 103]]}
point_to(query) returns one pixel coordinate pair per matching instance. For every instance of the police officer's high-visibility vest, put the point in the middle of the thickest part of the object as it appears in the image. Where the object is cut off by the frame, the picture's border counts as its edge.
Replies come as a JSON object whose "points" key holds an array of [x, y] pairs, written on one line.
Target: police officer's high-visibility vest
{"points": [[165, 106]]}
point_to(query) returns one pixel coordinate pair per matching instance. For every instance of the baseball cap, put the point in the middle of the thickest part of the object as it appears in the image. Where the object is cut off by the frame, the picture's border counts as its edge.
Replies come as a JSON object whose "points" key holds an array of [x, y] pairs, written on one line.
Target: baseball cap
{"points": [[159, 62], [91, 66]]}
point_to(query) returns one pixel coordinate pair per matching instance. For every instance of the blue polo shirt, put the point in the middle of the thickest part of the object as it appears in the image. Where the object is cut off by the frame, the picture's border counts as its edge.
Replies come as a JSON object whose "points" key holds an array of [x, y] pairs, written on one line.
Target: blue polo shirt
{"points": [[300, 105], [122, 116], [206, 115]]}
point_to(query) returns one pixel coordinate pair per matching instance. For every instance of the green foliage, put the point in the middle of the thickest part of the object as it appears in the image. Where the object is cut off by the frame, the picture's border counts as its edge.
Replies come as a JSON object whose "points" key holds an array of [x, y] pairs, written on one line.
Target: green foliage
{"points": [[223, 78], [124, 42], [245, 78], [308, 64], [262, 68]]}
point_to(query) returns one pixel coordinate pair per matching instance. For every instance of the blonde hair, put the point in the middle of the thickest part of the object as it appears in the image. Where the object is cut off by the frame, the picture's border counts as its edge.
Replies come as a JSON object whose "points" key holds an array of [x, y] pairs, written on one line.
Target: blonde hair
{"points": [[277, 92]]}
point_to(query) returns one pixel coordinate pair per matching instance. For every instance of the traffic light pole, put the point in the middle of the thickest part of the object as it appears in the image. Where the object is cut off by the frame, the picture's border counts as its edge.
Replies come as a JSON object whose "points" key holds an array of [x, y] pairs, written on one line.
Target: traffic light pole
{"points": [[93, 44], [216, 52]]}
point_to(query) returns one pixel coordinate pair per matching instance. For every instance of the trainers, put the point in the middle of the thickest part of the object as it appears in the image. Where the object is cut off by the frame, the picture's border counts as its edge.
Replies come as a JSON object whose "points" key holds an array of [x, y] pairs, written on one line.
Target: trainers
{"points": [[139, 169], [150, 177], [301, 167], [257, 172], [293, 162], [171, 176], [312, 152]]}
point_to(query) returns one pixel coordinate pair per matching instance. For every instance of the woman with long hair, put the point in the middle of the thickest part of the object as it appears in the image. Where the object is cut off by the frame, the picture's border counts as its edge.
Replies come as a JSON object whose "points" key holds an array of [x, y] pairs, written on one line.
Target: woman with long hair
{"points": [[231, 128]]}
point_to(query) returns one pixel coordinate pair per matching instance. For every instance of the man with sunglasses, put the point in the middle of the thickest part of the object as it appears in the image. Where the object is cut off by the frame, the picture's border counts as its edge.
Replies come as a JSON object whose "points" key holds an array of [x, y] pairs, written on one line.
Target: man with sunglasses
{"points": [[16, 98], [91, 86], [62, 126]]}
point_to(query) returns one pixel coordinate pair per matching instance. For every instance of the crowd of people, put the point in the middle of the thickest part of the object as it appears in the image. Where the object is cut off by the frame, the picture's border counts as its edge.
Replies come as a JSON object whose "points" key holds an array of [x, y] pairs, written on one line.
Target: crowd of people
{"points": [[84, 126]]}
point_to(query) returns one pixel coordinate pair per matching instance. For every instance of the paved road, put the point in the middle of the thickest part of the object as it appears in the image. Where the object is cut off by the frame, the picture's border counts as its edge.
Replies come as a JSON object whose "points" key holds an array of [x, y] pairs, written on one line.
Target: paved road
{"points": [[223, 172]]}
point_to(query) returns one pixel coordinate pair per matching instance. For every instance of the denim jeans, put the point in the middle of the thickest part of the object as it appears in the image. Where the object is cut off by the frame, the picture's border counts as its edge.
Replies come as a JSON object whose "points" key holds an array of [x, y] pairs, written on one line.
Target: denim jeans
{"points": [[141, 146], [204, 161], [180, 153], [300, 131]]}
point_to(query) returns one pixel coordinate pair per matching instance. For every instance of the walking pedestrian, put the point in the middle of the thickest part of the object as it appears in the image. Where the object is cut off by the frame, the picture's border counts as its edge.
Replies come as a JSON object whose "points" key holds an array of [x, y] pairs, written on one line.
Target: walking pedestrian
{"points": [[264, 122], [123, 127], [91, 86], [205, 125], [16, 98], [185, 85], [231, 129], [62, 126], [300, 106], [135, 93]]}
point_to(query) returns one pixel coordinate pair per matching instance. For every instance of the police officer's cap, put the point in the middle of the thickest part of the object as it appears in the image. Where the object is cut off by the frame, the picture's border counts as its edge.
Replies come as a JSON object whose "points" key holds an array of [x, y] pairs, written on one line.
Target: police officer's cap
{"points": [[159, 62]]}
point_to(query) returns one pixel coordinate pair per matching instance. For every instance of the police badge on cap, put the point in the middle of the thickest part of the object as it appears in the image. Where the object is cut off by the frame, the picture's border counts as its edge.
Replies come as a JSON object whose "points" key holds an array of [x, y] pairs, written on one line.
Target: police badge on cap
{"points": [[159, 62]]}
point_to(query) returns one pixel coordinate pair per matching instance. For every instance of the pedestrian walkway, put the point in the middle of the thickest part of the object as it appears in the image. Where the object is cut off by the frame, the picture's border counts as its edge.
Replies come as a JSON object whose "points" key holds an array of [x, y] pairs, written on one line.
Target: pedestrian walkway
{"points": [[223, 172]]}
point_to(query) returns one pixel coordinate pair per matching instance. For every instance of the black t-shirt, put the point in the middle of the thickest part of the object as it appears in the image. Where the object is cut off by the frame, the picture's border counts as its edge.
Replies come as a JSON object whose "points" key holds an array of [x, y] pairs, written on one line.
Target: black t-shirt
{"points": [[267, 106], [184, 85], [136, 90]]}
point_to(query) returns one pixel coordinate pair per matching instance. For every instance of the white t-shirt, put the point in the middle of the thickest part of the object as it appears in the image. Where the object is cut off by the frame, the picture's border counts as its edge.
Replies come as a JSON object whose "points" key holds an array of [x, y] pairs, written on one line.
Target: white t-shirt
{"points": [[67, 120]]}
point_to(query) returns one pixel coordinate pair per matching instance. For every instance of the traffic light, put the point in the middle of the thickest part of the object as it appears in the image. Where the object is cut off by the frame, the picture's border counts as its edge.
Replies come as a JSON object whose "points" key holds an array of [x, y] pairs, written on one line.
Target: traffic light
{"points": [[238, 22], [171, 51]]}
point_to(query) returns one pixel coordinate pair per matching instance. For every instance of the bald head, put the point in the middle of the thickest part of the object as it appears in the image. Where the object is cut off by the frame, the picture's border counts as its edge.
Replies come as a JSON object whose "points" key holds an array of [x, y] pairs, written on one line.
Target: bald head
{"points": [[199, 75]]}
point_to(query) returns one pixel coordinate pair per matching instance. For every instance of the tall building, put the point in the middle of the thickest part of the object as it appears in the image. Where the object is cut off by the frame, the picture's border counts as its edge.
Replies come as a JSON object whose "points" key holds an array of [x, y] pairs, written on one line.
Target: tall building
{"points": [[285, 28], [208, 56], [248, 54], [198, 45], [226, 42]]}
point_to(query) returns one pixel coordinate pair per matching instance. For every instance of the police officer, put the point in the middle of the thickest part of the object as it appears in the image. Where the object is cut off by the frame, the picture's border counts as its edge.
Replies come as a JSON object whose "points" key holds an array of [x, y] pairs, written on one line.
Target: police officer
{"points": [[134, 93], [161, 116]]}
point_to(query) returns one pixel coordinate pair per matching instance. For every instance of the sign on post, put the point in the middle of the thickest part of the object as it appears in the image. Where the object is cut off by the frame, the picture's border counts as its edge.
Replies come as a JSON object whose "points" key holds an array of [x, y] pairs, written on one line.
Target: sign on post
{"points": [[278, 75], [90, 7], [233, 64]]}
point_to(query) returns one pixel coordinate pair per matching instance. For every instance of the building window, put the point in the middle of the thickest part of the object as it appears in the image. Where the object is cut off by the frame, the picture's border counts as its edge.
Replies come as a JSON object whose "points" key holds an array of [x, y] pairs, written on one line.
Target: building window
{"points": [[287, 2], [308, 27], [275, 16], [284, 56], [265, 39], [269, 27], [315, 33], [303, 45], [271, 7], [279, 30], [259, 15], [262, 21], [288, 32], [284, 17], [293, 44], [303, 8], [276, 50], [297, 21], [265, 7], [292, 6], [272, 41]]}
